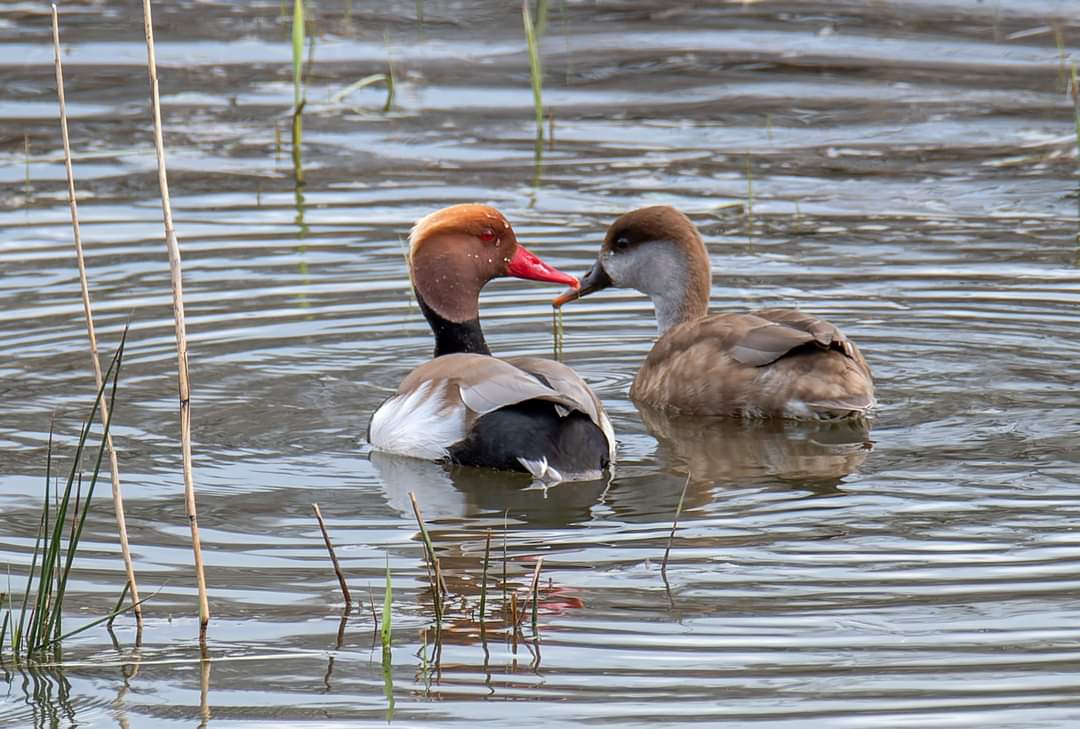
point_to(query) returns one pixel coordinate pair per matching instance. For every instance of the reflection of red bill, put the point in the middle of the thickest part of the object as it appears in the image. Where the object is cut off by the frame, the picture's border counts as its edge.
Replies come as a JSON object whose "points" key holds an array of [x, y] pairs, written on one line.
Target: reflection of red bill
{"points": [[559, 600]]}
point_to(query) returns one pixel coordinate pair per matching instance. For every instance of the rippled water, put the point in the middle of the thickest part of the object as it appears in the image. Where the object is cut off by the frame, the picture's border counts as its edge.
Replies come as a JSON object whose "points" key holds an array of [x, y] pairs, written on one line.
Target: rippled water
{"points": [[913, 179]]}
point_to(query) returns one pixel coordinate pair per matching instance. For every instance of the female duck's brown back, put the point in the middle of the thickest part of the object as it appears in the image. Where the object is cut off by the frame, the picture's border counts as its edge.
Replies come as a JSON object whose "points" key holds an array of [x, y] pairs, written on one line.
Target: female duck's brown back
{"points": [[769, 363]]}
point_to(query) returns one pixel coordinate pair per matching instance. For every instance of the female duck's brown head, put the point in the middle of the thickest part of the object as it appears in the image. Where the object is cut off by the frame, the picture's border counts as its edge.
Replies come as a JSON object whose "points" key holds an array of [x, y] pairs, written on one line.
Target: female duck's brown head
{"points": [[659, 252], [453, 253]]}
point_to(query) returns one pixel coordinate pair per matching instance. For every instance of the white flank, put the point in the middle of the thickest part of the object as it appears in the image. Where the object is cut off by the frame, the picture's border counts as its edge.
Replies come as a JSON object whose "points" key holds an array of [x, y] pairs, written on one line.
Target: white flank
{"points": [[418, 424], [609, 433]]}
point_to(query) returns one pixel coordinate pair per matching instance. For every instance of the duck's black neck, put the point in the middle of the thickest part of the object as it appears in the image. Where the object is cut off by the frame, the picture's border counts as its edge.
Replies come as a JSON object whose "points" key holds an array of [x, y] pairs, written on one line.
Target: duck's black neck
{"points": [[452, 337]]}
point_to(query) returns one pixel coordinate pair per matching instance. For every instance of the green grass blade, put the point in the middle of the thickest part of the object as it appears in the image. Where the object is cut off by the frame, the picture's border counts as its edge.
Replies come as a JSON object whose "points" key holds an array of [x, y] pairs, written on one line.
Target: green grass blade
{"points": [[390, 87], [111, 616], [11, 622], [541, 17], [298, 51], [39, 617], [297, 149], [391, 83], [119, 603], [3, 628], [357, 85], [43, 526], [388, 685], [535, 72], [73, 544], [386, 629]]}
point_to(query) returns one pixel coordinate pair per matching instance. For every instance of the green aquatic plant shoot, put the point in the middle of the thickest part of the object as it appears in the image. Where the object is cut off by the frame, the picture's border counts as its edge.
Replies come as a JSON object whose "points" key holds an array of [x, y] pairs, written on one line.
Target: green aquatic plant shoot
{"points": [[541, 17], [298, 53], [386, 629], [369, 80], [535, 72], [298, 91]]}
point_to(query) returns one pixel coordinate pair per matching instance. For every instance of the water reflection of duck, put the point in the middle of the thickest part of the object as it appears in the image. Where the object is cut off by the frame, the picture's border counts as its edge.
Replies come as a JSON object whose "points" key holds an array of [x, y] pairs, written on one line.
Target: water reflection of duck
{"points": [[467, 407], [812, 453], [772, 362]]}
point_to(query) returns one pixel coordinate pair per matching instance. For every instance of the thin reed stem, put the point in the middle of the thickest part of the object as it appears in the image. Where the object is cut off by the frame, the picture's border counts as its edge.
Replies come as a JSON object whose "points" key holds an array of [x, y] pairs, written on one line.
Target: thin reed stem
{"points": [[674, 526], [506, 526], [114, 467], [484, 581], [438, 586], [333, 557], [535, 593], [181, 327], [749, 197]]}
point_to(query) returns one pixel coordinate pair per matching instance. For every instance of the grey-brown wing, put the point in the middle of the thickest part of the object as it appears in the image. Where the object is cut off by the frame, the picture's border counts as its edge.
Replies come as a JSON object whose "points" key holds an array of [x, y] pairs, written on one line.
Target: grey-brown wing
{"points": [[563, 380], [569, 384], [823, 332], [484, 384], [764, 344]]}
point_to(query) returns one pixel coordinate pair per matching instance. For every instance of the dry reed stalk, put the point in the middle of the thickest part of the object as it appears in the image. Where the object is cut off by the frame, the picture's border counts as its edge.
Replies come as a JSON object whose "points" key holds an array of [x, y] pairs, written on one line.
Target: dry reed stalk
{"points": [[117, 494], [535, 596], [674, 526], [178, 314], [484, 581], [438, 584], [514, 628], [333, 557], [506, 526]]}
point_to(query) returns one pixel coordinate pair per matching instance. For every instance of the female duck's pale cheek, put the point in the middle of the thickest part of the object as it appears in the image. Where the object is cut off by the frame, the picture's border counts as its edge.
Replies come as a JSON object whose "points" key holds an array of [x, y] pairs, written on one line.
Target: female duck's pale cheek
{"points": [[629, 268], [615, 266]]}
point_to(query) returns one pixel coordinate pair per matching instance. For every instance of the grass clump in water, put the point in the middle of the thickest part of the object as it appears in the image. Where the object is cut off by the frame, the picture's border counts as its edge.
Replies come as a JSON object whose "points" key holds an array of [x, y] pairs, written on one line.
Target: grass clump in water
{"points": [[39, 625]]}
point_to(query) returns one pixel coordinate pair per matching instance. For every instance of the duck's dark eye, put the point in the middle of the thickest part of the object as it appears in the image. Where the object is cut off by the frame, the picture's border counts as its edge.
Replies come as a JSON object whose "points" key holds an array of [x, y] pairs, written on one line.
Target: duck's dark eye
{"points": [[622, 243], [487, 235]]}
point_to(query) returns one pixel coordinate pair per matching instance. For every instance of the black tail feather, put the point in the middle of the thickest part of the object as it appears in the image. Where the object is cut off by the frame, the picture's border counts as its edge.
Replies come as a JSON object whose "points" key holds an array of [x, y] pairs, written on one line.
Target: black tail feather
{"points": [[533, 430]]}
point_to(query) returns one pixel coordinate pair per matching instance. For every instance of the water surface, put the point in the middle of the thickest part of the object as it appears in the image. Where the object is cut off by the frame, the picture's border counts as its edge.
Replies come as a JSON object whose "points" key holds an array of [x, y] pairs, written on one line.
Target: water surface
{"points": [[905, 169]]}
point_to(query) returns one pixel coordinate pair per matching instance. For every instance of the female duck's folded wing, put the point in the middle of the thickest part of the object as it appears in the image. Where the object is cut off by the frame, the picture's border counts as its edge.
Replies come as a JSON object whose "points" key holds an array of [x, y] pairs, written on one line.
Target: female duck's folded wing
{"points": [[438, 402], [569, 384], [773, 362], [824, 333]]}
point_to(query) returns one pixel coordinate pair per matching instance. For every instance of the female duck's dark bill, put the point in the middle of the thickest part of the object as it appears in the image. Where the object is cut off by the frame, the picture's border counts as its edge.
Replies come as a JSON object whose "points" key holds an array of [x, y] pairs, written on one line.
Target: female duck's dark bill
{"points": [[595, 280]]}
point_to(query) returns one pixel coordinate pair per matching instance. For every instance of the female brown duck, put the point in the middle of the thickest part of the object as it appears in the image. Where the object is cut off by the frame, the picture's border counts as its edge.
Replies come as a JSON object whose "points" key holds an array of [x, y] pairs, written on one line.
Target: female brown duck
{"points": [[769, 363], [467, 407]]}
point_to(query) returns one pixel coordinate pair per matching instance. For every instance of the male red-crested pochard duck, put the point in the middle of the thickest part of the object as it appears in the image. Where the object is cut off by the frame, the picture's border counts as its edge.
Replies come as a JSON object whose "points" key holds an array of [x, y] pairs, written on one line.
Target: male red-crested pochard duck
{"points": [[767, 363], [466, 406]]}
